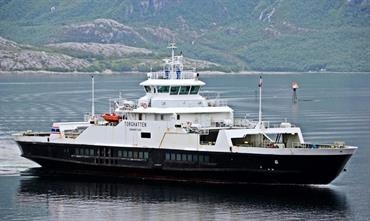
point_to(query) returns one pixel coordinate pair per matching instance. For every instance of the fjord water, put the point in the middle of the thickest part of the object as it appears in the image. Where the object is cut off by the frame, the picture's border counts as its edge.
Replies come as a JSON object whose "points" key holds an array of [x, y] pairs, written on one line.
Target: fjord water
{"points": [[331, 107]]}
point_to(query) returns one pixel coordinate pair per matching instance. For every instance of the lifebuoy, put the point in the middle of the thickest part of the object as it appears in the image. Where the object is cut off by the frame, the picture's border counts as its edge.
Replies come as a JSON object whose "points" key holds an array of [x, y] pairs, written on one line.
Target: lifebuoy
{"points": [[145, 105]]}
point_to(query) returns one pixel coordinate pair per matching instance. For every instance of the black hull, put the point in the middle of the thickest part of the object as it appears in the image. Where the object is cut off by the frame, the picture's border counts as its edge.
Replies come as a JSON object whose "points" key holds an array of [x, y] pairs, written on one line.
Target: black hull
{"points": [[184, 166]]}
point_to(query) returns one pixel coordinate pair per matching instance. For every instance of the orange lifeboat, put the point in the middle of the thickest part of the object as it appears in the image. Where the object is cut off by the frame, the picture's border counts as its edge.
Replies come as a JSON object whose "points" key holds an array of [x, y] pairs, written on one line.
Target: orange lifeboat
{"points": [[112, 117]]}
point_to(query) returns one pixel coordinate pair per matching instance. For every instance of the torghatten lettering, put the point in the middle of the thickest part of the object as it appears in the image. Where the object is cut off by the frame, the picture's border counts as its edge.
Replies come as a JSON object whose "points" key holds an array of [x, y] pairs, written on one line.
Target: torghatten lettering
{"points": [[135, 124]]}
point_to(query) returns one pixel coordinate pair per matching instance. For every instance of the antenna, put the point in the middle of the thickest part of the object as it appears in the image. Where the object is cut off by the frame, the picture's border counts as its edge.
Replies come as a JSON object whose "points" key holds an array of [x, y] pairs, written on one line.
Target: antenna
{"points": [[92, 97], [260, 105]]}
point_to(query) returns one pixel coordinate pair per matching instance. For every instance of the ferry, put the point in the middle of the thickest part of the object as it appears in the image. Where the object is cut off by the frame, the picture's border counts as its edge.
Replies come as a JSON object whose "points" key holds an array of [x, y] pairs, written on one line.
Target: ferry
{"points": [[175, 133]]}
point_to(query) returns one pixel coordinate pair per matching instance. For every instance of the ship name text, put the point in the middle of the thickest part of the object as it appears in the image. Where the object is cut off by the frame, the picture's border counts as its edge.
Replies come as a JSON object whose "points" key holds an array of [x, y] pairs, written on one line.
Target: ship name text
{"points": [[135, 124]]}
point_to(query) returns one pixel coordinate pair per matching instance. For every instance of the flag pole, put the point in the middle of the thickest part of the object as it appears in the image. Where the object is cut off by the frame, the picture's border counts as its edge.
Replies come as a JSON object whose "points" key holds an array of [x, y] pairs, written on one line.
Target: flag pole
{"points": [[92, 97], [260, 104]]}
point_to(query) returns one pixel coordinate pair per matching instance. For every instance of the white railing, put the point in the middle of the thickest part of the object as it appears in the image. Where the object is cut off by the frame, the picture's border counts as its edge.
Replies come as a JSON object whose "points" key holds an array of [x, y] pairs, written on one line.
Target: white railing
{"points": [[316, 146], [217, 103], [243, 122], [121, 104], [213, 99], [172, 75]]}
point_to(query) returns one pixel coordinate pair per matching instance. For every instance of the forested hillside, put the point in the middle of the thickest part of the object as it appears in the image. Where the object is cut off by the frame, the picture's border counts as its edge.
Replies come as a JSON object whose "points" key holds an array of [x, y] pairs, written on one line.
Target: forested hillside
{"points": [[238, 35]]}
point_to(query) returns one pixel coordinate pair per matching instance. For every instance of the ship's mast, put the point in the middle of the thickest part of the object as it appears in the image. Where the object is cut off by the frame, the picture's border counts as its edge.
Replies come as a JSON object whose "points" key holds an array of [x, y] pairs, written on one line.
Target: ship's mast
{"points": [[259, 125], [92, 97], [172, 47]]}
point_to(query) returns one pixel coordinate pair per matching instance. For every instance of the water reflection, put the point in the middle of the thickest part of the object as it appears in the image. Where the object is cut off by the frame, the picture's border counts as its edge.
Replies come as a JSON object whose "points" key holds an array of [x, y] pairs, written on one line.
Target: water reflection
{"points": [[193, 201]]}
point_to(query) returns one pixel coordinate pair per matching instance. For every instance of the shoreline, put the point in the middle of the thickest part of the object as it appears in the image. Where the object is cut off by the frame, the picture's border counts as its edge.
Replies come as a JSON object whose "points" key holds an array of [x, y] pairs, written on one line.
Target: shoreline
{"points": [[200, 72]]}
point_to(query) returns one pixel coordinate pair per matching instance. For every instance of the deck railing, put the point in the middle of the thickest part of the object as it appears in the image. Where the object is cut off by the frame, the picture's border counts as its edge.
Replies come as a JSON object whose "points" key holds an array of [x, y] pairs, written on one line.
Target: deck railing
{"points": [[244, 122], [213, 99], [172, 75], [316, 146]]}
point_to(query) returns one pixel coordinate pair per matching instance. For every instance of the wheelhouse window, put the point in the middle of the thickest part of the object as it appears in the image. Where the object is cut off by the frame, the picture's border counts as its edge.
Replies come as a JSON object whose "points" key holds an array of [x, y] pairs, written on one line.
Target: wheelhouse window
{"points": [[163, 89], [174, 90], [184, 89], [55, 130], [148, 89], [194, 89]]}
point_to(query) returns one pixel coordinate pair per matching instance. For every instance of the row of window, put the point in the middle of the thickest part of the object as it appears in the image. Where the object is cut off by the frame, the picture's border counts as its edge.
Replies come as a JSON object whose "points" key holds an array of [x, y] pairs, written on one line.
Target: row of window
{"points": [[144, 155], [106, 152], [133, 154], [85, 151], [187, 157], [173, 90]]}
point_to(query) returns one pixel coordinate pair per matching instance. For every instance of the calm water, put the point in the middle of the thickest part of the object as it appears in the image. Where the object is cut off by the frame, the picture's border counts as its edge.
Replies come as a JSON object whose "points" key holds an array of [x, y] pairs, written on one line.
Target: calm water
{"points": [[331, 107]]}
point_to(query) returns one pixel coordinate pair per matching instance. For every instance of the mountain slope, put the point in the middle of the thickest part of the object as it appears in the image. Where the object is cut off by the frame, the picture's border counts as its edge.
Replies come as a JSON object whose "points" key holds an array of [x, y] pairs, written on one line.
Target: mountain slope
{"points": [[15, 57], [273, 35]]}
